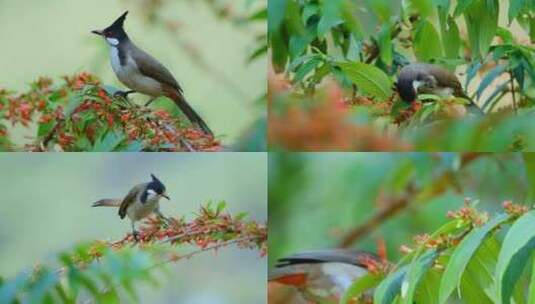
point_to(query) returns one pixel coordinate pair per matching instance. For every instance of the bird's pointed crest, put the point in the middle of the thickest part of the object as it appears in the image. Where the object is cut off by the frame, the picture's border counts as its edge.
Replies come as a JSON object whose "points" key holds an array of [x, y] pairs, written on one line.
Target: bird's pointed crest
{"points": [[120, 21], [156, 184]]}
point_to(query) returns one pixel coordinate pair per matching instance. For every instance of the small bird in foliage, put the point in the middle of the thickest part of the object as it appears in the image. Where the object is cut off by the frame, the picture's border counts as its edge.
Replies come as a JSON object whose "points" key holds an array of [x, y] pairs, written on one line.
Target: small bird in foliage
{"points": [[424, 78], [323, 276], [140, 202], [140, 72]]}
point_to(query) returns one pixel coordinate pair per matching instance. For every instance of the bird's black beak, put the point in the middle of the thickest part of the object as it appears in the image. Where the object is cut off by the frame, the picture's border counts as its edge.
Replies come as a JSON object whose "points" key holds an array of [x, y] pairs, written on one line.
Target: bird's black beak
{"points": [[97, 32], [167, 197]]}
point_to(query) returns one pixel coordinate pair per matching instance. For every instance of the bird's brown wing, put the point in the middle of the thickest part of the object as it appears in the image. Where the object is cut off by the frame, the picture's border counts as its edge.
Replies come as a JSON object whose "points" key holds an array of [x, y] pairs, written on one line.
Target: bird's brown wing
{"points": [[152, 68], [129, 199], [448, 79]]}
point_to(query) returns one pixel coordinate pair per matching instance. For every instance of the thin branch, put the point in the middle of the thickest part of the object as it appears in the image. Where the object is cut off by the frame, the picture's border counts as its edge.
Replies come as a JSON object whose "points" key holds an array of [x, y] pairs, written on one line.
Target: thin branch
{"points": [[515, 106]]}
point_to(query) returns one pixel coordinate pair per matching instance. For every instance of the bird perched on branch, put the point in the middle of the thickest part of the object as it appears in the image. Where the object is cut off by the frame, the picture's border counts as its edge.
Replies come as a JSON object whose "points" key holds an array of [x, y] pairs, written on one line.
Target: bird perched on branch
{"points": [[140, 202], [424, 78], [323, 276], [140, 72]]}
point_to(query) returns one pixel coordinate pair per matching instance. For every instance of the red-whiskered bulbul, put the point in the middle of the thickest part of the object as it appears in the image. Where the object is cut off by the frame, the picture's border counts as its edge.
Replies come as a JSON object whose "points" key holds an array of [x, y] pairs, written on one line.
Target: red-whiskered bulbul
{"points": [[323, 276], [140, 202], [425, 78], [141, 73]]}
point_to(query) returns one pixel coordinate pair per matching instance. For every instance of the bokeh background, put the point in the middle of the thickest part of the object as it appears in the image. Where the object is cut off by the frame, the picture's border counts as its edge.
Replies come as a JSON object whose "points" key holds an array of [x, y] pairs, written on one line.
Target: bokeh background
{"points": [[46, 208], [206, 50], [316, 200]]}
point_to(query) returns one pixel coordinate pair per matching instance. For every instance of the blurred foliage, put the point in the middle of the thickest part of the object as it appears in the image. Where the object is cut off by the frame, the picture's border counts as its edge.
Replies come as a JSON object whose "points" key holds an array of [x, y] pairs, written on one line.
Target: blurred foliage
{"points": [[108, 272], [82, 115], [361, 45], [374, 197], [360, 200]]}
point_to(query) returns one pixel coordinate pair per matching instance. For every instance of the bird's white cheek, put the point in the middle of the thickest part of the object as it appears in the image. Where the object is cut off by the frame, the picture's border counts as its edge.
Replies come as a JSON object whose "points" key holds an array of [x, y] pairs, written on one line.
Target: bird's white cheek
{"points": [[416, 85], [151, 195], [112, 41]]}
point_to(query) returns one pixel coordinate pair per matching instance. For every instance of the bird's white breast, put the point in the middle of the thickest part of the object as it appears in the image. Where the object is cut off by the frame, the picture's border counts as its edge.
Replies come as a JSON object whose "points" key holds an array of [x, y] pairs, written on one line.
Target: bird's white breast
{"points": [[138, 210], [130, 75]]}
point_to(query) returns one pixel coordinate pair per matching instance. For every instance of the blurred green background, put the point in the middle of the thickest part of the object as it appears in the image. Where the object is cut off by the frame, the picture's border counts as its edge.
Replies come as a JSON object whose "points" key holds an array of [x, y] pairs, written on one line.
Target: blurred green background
{"points": [[207, 55], [46, 207], [315, 199]]}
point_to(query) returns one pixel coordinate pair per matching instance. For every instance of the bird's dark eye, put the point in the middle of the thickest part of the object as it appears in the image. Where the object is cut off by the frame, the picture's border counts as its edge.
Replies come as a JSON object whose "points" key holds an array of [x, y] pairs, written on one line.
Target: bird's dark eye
{"points": [[419, 77]]}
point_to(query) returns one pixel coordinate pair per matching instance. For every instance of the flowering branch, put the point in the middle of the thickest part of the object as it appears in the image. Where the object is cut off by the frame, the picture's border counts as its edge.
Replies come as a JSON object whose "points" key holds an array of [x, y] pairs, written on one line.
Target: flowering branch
{"points": [[103, 267], [82, 115]]}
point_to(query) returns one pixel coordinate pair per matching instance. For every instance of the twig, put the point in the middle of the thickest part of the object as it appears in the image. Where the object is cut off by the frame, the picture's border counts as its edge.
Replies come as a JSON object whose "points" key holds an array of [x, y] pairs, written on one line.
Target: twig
{"points": [[515, 106], [385, 213], [396, 205]]}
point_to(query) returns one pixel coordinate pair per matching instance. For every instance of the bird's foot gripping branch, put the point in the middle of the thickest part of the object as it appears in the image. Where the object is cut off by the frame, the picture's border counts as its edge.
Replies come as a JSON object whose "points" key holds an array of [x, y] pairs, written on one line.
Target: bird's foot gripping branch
{"points": [[105, 272], [80, 114]]}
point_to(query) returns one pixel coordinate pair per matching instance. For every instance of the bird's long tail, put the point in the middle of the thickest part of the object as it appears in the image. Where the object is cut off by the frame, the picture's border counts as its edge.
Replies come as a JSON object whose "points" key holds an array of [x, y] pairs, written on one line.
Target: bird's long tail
{"points": [[107, 202], [193, 117]]}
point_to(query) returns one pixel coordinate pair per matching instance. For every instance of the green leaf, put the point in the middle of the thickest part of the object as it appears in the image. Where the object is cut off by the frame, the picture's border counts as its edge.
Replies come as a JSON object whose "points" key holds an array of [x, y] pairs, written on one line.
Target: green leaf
{"points": [[361, 285], [478, 282], [306, 68], [276, 12], [45, 128], [489, 78], [74, 101], [44, 283], [108, 142], [381, 8], [529, 162], [482, 23], [424, 7], [462, 6], [423, 49], [515, 7], [418, 269], [221, 206], [389, 288], [370, 80], [518, 246], [462, 254], [451, 38], [135, 146], [10, 288], [331, 16], [385, 44], [531, 293]]}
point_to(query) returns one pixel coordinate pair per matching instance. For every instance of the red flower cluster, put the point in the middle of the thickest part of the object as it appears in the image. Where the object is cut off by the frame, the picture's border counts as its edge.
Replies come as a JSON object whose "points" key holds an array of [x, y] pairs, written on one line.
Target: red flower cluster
{"points": [[212, 226], [76, 115]]}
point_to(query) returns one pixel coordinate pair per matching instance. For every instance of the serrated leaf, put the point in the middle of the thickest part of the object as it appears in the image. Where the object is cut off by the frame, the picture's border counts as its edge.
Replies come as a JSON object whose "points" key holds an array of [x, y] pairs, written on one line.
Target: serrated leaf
{"points": [[370, 80], [518, 246], [462, 254]]}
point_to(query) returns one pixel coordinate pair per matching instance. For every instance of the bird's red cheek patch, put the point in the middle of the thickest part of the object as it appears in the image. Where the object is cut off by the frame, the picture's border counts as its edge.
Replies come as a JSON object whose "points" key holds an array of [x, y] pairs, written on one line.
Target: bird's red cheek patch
{"points": [[298, 279]]}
